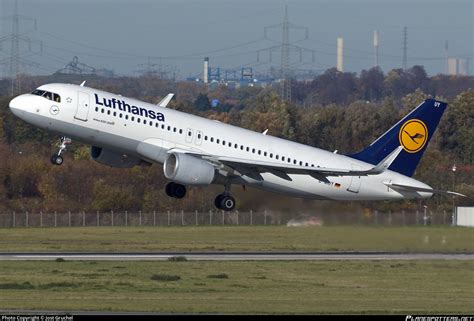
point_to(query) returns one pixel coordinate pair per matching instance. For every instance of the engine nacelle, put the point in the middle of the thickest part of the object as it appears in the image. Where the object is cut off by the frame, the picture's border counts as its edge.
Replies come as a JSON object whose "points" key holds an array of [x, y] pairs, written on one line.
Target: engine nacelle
{"points": [[113, 159], [188, 170]]}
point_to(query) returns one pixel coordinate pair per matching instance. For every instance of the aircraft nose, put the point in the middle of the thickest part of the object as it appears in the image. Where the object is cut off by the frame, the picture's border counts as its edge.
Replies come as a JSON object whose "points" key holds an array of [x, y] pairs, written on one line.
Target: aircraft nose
{"points": [[15, 103]]}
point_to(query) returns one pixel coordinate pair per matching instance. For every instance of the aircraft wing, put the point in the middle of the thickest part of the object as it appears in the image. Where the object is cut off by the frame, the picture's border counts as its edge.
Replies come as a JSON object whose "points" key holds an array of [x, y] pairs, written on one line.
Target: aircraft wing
{"points": [[407, 188], [165, 101], [253, 168]]}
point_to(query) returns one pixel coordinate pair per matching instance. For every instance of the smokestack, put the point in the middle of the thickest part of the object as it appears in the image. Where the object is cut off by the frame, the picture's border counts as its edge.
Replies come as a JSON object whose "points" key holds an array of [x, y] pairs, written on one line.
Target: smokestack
{"points": [[376, 48], [206, 70], [340, 53]]}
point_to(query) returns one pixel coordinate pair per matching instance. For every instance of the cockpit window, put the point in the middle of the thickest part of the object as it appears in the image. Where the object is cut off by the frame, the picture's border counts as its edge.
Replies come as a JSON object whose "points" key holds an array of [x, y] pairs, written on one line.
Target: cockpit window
{"points": [[38, 92], [47, 95]]}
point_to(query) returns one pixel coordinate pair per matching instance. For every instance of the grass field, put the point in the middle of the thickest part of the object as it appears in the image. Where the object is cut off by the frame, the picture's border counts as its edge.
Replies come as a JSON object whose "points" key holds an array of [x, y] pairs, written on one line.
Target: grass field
{"points": [[243, 238], [413, 287]]}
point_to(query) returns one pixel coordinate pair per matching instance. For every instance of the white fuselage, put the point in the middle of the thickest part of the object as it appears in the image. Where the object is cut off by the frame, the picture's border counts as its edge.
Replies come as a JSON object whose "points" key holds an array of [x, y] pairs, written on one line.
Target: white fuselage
{"points": [[105, 120]]}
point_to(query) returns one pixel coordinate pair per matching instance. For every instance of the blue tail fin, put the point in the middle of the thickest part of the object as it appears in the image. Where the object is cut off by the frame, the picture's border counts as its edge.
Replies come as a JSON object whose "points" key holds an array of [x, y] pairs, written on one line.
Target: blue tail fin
{"points": [[413, 133]]}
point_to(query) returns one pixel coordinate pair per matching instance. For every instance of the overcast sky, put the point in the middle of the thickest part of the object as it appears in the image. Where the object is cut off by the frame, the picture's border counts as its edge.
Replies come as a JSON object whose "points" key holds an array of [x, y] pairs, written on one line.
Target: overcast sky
{"points": [[120, 35]]}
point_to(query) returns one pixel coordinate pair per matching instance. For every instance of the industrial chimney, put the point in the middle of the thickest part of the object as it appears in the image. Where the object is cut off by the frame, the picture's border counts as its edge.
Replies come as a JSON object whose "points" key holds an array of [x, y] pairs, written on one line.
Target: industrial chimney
{"points": [[206, 70]]}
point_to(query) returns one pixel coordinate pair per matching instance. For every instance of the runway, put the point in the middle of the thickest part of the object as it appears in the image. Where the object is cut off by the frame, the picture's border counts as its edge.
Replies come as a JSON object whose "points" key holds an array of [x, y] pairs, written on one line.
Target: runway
{"points": [[233, 256]]}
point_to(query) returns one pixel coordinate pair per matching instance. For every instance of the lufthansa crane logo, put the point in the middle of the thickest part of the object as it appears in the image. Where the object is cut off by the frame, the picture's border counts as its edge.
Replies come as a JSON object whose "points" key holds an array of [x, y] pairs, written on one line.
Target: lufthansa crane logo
{"points": [[413, 135]]}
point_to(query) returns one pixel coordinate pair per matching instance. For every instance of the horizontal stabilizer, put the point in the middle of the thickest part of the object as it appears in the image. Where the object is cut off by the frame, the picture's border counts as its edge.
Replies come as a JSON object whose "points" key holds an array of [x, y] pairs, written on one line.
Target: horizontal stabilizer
{"points": [[165, 101], [407, 188]]}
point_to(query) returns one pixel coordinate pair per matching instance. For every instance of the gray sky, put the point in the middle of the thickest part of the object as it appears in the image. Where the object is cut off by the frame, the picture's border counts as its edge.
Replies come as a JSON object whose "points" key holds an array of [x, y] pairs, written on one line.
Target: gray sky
{"points": [[120, 35]]}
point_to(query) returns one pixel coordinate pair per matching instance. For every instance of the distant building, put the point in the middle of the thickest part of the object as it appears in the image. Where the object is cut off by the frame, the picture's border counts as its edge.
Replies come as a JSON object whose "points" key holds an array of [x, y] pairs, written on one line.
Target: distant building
{"points": [[458, 66]]}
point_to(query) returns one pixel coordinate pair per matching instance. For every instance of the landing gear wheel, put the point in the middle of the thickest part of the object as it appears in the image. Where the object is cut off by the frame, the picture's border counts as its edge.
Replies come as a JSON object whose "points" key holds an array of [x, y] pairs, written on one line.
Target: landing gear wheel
{"points": [[57, 160], [175, 190], [169, 189], [179, 191], [228, 203], [224, 202], [217, 201]]}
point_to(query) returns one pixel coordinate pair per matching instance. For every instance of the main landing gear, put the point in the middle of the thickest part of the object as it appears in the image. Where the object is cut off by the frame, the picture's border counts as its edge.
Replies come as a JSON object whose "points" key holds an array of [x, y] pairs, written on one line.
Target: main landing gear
{"points": [[57, 159], [223, 201], [175, 190]]}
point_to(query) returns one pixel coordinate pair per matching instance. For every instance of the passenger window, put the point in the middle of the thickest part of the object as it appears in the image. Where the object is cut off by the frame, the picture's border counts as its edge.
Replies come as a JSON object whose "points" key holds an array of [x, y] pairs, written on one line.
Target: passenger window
{"points": [[144, 122], [283, 158], [276, 156], [120, 115], [247, 148], [169, 128], [265, 154], [236, 146], [217, 141], [133, 118], [174, 129], [271, 155], [126, 117], [230, 144], [138, 120], [97, 109], [180, 131], [115, 113], [212, 139], [205, 137], [108, 112]]}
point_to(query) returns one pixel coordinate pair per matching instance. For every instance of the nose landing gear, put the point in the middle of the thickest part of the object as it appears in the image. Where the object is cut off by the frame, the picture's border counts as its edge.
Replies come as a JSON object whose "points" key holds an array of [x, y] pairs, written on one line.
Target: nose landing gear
{"points": [[57, 159]]}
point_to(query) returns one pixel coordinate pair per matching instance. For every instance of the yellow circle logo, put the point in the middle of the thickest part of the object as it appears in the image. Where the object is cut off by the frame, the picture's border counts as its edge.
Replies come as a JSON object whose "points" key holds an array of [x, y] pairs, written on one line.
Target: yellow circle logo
{"points": [[413, 135]]}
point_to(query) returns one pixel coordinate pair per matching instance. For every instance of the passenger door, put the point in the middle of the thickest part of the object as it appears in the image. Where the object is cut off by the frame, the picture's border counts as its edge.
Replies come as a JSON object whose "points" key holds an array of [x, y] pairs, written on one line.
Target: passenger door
{"points": [[83, 102]]}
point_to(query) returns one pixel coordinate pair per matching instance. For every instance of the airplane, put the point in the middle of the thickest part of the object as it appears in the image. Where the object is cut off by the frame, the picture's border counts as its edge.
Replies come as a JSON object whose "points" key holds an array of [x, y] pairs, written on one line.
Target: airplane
{"points": [[195, 151]]}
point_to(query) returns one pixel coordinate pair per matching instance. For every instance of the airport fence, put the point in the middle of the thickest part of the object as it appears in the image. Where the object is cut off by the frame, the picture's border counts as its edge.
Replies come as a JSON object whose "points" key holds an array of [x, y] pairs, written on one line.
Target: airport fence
{"points": [[216, 218]]}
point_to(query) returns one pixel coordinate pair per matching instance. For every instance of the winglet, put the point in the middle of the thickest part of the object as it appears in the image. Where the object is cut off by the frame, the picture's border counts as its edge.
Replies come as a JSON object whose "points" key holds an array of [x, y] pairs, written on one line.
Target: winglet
{"points": [[164, 102]]}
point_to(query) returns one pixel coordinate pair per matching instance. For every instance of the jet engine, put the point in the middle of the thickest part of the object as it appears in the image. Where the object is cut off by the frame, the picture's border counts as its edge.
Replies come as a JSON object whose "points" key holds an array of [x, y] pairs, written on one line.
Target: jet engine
{"points": [[113, 159], [188, 170]]}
